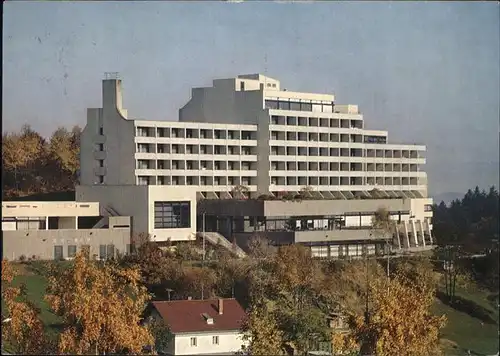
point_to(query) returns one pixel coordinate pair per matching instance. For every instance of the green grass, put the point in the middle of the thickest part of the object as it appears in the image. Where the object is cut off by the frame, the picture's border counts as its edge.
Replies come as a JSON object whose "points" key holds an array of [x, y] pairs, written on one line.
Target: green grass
{"points": [[470, 330], [36, 285]]}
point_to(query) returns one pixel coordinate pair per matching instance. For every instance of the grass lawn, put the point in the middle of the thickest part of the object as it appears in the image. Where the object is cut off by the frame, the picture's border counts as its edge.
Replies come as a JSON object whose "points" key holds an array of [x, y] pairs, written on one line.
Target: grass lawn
{"points": [[473, 327], [35, 291]]}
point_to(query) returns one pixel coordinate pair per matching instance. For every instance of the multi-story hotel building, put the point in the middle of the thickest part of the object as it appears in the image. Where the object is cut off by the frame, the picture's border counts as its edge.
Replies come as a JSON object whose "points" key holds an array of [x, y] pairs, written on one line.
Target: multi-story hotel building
{"points": [[246, 134]]}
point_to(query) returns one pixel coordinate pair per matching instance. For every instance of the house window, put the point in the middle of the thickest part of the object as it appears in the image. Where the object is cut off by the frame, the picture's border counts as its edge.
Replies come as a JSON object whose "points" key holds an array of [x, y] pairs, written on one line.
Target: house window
{"points": [[58, 252], [101, 147], [101, 179], [193, 341], [71, 251], [101, 130], [110, 251], [215, 340], [172, 215]]}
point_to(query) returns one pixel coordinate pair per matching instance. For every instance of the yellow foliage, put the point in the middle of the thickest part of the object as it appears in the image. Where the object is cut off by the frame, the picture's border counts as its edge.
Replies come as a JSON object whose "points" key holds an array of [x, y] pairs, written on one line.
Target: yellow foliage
{"points": [[101, 307], [344, 343], [24, 332], [401, 322]]}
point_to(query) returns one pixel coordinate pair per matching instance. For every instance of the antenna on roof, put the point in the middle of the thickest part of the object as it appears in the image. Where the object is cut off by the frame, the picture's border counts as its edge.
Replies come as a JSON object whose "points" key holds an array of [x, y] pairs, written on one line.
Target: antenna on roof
{"points": [[112, 75]]}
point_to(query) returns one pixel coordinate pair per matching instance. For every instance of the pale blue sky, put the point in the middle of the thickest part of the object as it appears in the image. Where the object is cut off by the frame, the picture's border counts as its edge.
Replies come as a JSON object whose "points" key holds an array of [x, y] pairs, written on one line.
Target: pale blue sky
{"points": [[427, 72]]}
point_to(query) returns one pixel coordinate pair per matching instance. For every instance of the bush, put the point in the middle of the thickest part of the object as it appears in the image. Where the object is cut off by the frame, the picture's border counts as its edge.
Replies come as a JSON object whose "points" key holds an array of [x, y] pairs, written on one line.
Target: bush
{"points": [[22, 258]]}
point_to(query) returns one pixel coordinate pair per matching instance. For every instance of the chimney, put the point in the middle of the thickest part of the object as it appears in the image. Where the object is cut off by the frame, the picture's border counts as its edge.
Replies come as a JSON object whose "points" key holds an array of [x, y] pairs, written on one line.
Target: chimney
{"points": [[221, 306]]}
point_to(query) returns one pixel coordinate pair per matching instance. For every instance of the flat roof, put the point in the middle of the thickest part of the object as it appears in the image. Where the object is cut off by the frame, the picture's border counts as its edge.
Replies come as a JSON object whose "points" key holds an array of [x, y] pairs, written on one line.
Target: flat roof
{"points": [[14, 209]]}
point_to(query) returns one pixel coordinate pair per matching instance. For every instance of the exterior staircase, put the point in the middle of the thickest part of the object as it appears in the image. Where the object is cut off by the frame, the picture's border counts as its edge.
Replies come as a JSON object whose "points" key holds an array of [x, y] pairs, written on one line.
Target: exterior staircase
{"points": [[215, 238]]}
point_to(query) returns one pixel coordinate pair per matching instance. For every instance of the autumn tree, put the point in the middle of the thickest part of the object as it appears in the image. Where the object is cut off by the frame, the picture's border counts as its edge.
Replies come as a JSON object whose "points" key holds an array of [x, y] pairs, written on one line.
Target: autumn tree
{"points": [[24, 331], [401, 322], [383, 226], [261, 333], [101, 307]]}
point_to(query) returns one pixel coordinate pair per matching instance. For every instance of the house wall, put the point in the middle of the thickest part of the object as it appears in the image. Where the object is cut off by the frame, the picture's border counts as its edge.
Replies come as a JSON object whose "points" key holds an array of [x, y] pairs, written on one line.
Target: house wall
{"points": [[229, 342]]}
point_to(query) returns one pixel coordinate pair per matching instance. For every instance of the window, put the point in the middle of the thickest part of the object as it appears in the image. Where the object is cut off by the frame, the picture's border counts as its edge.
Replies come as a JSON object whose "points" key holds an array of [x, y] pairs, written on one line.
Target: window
{"points": [[58, 252], [110, 251], [215, 340], [71, 251], [101, 147], [284, 105], [193, 341], [102, 252], [101, 163], [172, 215], [271, 104], [101, 130], [242, 86], [101, 179], [295, 106], [428, 207]]}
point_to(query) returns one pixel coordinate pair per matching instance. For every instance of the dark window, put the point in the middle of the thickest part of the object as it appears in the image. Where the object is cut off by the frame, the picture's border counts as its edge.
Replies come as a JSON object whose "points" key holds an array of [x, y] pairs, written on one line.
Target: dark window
{"points": [[172, 215], [101, 163], [102, 252], [101, 130], [306, 107], [271, 104], [71, 251], [242, 86], [284, 105], [101, 179], [101, 147], [110, 251], [58, 252], [295, 106]]}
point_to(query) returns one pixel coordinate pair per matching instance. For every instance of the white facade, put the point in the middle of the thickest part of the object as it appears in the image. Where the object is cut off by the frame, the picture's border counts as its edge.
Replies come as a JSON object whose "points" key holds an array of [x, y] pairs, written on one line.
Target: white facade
{"points": [[139, 202], [207, 343], [248, 131]]}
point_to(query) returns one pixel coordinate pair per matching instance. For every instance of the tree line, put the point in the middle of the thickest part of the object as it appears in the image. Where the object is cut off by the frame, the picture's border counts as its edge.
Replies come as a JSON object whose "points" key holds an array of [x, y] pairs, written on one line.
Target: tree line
{"points": [[471, 224], [34, 165], [290, 297]]}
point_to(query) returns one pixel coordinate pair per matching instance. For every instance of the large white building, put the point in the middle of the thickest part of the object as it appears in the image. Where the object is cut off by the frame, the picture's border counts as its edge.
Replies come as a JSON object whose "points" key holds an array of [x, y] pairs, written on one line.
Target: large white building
{"points": [[243, 134], [247, 131]]}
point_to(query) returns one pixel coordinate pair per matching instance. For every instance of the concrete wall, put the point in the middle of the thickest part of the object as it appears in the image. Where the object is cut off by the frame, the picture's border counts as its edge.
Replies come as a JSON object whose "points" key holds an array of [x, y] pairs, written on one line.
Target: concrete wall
{"points": [[118, 139], [138, 201], [334, 207], [128, 200], [229, 342], [49, 208], [41, 242]]}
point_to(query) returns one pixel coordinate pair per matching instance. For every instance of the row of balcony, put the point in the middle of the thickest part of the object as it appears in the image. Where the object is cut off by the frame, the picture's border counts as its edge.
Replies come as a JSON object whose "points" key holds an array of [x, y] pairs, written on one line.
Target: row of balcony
{"points": [[316, 122], [175, 132]]}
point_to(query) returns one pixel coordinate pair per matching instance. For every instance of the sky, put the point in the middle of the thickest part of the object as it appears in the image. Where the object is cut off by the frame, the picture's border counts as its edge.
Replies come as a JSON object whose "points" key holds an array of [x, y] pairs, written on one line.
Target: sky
{"points": [[428, 72]]}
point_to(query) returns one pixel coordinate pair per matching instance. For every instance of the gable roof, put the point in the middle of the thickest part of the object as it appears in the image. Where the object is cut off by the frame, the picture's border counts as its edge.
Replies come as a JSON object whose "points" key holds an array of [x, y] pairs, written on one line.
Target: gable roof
{"points": [[184, 316]]}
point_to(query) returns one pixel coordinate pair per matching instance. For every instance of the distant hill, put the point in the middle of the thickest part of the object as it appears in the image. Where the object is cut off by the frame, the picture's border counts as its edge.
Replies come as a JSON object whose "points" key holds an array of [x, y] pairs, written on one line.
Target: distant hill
{"points": [[447, 197]]}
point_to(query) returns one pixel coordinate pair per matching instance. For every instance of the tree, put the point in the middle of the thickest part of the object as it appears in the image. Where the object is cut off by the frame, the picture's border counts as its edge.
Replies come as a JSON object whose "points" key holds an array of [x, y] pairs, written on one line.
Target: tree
{"points": [[260, 247], [401, 322], [262, 333], [24, 333], [383, 226], [101, 308], [161, 333]]}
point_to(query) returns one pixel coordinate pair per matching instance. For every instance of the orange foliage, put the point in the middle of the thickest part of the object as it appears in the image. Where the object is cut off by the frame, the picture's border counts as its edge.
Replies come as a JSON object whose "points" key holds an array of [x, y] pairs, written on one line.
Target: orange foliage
{"points": [[101, 307], [24, 332], [401, 322]]}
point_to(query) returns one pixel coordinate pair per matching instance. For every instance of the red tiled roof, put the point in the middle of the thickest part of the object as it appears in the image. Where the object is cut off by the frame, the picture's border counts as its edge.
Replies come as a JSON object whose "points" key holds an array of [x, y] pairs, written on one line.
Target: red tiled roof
{"points": [[187, 315]]}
